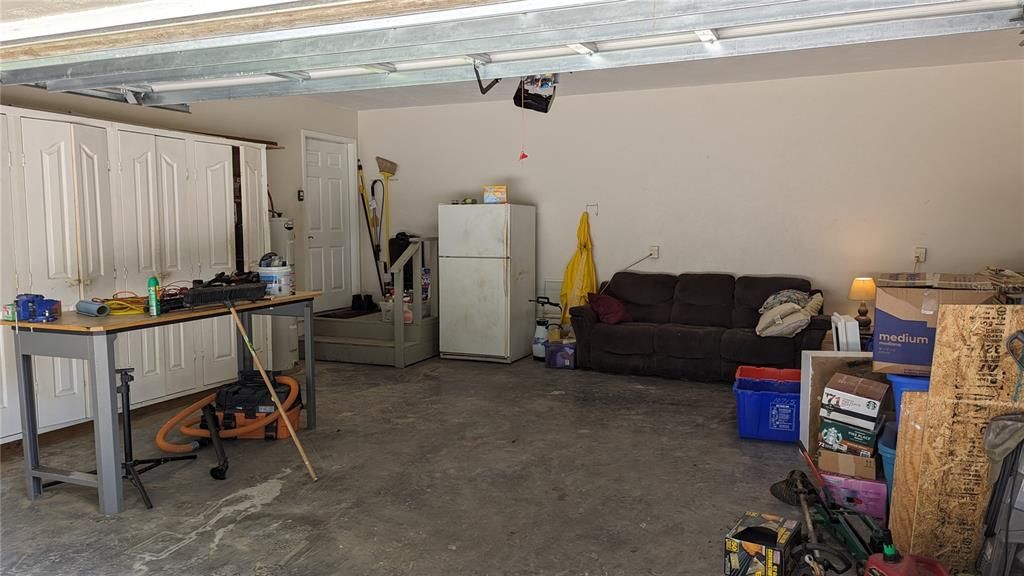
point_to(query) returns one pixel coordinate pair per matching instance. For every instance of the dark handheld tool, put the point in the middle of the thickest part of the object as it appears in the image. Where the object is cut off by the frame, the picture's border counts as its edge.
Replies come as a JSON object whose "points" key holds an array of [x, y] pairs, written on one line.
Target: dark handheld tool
{"points": [[220, 471], [238, 286], [36, 308]]}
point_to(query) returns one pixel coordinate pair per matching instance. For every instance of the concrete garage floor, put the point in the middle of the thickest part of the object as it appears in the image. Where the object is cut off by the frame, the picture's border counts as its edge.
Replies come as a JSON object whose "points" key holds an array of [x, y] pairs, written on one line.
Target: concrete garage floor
{"points": [[443, 468]]}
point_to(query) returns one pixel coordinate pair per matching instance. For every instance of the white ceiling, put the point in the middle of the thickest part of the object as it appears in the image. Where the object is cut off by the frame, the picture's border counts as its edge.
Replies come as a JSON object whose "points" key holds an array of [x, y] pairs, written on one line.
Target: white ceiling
{"points": [[958, 49]]}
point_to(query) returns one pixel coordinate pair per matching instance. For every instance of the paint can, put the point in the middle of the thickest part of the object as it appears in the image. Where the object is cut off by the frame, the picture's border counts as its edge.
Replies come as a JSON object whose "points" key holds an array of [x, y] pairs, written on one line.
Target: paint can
{"points": [[279, 279]]}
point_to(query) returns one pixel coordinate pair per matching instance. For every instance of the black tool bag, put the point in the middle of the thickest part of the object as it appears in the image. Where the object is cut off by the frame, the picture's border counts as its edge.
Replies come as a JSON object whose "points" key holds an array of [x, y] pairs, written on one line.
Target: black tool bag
{"points": [[249, 398]]}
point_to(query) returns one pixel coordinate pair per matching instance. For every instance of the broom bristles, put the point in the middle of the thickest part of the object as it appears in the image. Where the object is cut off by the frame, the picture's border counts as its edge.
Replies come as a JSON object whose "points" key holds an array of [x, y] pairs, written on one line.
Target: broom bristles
{"points": [[386, 166]]}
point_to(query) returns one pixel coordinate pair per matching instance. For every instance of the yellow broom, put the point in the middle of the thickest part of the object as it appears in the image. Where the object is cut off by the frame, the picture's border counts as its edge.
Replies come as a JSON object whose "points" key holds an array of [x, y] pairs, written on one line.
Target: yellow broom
{"points": [[387, 170]]}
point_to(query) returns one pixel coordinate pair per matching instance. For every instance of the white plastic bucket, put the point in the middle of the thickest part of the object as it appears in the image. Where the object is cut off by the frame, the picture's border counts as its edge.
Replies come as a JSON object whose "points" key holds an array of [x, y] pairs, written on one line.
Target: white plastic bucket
{"points": [[279, 279]]}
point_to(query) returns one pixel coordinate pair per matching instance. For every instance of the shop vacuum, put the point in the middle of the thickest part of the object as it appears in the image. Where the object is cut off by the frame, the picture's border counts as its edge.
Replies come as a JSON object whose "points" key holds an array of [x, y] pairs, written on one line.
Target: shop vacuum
{"points": [[243, 409]]}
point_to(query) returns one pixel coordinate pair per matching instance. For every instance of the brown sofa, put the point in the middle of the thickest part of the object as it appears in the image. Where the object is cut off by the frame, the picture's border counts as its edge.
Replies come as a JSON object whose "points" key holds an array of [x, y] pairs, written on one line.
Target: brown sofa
{"points": [[692, 326]]}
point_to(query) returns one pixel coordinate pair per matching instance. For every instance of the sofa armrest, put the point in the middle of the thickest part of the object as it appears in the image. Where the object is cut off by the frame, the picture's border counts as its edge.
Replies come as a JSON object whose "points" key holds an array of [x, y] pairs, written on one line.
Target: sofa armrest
{"points": [[810, 337], [583, 319]]}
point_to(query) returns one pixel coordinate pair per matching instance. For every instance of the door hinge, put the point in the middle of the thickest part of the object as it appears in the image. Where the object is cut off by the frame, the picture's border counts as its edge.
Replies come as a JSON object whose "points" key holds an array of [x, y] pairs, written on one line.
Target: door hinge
{"points": [[23, 162]]}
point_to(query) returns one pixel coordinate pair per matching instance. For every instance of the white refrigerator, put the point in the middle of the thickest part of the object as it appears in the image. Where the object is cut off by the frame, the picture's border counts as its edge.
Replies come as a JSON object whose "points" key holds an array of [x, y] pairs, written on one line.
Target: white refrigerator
{"points": [[487, 274]]}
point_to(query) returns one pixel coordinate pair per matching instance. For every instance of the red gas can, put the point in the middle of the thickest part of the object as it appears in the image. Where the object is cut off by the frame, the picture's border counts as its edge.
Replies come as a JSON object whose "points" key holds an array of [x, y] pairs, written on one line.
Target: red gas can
{"points": [[891, 563]]}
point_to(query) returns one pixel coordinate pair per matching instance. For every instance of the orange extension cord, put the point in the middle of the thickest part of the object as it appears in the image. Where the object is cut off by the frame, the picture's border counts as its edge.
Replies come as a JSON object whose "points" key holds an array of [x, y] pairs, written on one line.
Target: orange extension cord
{"points": [[190, 426]]}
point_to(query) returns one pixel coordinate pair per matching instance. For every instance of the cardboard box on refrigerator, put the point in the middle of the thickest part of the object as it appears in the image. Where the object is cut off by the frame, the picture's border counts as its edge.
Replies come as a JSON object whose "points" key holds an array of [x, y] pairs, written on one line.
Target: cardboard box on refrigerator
{"points": [[906, 311]]}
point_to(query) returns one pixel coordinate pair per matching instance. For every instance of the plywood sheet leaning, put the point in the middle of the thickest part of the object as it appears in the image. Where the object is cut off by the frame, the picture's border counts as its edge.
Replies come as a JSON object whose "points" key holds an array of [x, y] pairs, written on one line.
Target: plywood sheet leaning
{"points": [[913, 421], [973, 380]]}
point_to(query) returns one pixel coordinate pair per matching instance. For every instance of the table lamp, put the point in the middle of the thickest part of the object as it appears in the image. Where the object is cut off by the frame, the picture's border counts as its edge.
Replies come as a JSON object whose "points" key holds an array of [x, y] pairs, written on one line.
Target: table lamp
{"points": [[863, 289]]}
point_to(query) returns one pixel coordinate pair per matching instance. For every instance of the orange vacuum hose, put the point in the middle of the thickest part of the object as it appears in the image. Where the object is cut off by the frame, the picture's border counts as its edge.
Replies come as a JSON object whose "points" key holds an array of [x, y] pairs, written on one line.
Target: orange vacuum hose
{"points": [[189, 426]]}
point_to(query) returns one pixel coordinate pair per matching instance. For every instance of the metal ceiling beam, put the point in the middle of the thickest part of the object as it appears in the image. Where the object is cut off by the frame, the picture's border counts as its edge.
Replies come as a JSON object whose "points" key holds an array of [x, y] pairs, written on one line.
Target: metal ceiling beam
{"points": [[591, 23], [119, 97], [780, 42]]}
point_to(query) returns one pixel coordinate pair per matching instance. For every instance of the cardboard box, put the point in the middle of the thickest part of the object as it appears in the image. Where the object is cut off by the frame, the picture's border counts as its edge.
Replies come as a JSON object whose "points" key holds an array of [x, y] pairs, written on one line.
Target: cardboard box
{"points": [[495, 194], [847, 464], [841, 437], [905, 321], [854, 401], [864, 496], [759, 545]]}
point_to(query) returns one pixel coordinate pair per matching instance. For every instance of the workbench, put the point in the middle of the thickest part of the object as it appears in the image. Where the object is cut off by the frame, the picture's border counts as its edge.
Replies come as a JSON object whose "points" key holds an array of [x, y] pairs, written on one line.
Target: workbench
{"points": [[91, 339]]}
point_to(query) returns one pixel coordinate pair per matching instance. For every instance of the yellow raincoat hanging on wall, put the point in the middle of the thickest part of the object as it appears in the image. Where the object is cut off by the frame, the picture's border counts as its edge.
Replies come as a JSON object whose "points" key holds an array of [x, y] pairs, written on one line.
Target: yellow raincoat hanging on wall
{"points": [[580, 275]]}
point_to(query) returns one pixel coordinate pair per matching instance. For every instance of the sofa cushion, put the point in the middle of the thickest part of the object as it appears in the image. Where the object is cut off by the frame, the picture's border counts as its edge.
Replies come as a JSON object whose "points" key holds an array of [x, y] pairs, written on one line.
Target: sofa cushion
{"points": [[647, 297], [679, 341], [752, 291], [704, 300], [625, 338], [609, 310], [742, 345]]}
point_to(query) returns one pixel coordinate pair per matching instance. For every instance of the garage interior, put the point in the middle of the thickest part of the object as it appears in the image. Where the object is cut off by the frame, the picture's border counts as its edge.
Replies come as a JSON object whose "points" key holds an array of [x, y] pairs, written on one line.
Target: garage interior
{"points": [[512, 287]]}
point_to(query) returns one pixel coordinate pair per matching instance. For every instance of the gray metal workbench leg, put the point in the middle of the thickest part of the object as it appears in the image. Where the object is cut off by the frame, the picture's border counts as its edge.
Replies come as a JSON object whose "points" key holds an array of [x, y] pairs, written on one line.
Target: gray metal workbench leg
{"points": [[108, 439], [310, 399], [244, 358], [29, 424]]}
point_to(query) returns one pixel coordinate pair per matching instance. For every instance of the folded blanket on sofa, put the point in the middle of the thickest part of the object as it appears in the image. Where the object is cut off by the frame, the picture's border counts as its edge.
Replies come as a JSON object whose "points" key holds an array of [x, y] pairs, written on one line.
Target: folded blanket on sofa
{"points": [[789, 318]]}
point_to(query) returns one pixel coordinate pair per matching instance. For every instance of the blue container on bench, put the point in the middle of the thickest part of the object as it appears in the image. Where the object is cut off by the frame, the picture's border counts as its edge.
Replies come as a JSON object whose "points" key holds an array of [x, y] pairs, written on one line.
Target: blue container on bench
{"points": [[901, 384], [768, 403]]}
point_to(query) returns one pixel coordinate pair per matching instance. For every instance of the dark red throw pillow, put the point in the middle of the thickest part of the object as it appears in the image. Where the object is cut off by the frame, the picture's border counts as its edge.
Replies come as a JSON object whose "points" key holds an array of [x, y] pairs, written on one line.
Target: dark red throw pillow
{"points": [[609, 310]]}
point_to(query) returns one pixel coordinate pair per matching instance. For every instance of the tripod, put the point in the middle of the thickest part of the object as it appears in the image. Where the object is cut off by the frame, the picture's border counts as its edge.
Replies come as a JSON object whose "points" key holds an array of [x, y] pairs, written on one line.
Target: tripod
{"points": [[134, 467]]}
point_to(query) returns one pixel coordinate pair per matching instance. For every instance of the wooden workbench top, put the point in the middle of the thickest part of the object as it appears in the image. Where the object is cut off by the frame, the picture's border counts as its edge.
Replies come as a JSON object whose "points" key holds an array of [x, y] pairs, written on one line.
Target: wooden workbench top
{"points": [[71, 321]]}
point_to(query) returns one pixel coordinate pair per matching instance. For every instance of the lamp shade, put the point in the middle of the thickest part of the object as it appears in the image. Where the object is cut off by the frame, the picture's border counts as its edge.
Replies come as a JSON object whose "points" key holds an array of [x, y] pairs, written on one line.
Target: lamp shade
{"points": [[862, 289]]}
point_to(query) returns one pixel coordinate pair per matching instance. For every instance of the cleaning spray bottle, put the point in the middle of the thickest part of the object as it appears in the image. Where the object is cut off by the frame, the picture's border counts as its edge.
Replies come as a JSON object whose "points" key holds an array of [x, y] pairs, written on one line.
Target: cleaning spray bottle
{"points": [[154, 298]]}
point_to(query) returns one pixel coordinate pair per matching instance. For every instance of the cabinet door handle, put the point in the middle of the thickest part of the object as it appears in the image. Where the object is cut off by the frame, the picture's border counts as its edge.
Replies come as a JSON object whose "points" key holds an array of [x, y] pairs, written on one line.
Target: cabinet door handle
{"points": [[73, 283]]}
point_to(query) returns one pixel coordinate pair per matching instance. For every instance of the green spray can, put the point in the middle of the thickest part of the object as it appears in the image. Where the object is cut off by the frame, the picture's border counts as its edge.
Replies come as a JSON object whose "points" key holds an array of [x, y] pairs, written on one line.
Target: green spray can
{"points": [[154, 298]]}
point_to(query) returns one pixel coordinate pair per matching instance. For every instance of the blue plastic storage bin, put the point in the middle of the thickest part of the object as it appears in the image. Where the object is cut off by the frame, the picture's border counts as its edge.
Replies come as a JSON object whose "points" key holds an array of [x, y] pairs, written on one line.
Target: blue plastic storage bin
{"points": [[768, 403], [901, 384], [887, 449]]}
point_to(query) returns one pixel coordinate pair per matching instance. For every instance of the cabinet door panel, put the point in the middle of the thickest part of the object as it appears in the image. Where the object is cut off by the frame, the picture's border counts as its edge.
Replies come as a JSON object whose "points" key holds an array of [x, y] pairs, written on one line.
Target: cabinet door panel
{"points": [[257, 236], [140, 204], [10, 414], [48, 208], [96, 226], [216, 221], [178, 257]]}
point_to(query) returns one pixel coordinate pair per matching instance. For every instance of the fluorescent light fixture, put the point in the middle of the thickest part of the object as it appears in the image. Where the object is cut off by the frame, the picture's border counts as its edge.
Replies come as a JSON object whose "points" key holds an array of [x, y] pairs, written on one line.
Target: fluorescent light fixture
{"points": [[297, 75], [381, 67], [707, 36], [479, 58], [584, 48]]}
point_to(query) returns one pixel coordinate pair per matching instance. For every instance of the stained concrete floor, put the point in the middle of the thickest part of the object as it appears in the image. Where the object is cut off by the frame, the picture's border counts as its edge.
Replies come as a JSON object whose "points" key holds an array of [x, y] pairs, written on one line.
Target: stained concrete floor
{"points": [[444, 468]]}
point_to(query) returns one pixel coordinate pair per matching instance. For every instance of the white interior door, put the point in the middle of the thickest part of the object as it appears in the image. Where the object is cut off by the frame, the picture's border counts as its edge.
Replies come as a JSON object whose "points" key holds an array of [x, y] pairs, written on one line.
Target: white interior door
{"points": [[10, 415], [327, 216], [474, 306], [48, 209], [216, 235]]}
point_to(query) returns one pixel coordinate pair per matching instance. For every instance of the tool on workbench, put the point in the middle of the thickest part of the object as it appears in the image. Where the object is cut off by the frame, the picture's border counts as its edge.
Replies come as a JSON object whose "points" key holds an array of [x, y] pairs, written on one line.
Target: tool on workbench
{"points": [[133, 467], [224, 287], [36, 308]]}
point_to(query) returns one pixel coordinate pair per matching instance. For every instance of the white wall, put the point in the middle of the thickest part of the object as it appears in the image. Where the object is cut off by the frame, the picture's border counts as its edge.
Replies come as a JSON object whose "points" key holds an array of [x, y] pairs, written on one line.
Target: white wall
{"points": [[278, 119], [827, 177]]}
